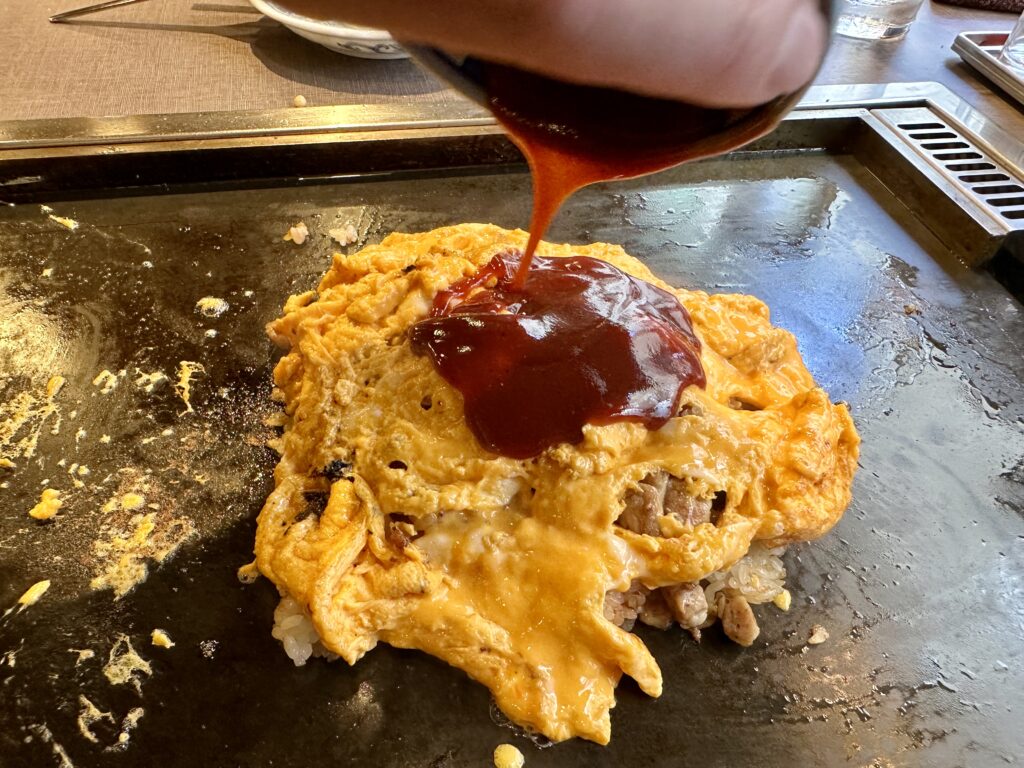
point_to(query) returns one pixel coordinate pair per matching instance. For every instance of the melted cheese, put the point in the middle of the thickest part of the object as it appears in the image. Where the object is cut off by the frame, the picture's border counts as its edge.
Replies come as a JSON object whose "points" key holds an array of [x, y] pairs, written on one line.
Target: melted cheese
{"points": [[507, 580]]}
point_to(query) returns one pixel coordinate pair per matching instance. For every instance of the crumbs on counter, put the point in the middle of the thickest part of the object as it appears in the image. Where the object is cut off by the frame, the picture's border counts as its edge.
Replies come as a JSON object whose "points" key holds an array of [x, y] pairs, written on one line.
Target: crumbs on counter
{"points": [[76, 471], [54, 386], [124, 666], [48, 272], [107, 381], [299, 101], [48, 506], [212, 306], [105, 439], [818, 635], [63, 221], [297, 234], [208, 648], [132, 501], [161, 639], [32, 595], [6, 463], [507, 756], [345, 235], [147, 381], [783, 600], [186, 369]]}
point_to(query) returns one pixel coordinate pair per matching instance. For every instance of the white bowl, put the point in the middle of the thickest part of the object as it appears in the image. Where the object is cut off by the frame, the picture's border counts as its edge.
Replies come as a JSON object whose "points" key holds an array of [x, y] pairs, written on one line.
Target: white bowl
{"points": [[363, 42]]}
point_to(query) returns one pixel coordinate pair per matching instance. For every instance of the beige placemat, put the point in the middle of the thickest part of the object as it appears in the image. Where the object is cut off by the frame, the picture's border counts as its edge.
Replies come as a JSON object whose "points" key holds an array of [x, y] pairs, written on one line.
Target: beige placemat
{"points": [[180, 56]]}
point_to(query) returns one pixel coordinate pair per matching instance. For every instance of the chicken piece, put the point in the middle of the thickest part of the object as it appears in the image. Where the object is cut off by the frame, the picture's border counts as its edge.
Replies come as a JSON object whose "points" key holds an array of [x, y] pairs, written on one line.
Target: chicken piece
{"points": [[681, 504], [687, 604], [662, 494], [738, 621], [644, 506]]}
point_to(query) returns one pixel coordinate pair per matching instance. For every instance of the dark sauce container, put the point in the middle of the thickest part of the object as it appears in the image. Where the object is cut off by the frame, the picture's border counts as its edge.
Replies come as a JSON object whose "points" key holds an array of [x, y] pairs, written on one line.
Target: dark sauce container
{"points": [[625, 134]]}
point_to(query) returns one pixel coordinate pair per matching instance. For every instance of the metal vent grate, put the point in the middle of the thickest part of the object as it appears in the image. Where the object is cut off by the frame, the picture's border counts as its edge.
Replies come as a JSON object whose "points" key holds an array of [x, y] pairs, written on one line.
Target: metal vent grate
{"points": [[969, 166]]}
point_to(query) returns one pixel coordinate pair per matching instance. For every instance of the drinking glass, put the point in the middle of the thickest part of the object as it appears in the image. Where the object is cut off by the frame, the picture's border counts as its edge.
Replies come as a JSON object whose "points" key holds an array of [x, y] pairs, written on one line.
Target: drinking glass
{"points": [[1013, 51], [876, 19]]}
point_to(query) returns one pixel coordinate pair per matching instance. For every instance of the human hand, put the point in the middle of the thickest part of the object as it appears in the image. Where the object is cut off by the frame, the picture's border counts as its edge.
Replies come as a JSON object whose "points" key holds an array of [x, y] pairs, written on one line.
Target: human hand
{"points": [[737, 53]]}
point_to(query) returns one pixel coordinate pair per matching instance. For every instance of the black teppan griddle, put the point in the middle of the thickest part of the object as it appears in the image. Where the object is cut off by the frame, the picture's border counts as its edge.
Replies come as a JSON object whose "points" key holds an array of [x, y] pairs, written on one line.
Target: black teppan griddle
{"points": [[841, 221]]}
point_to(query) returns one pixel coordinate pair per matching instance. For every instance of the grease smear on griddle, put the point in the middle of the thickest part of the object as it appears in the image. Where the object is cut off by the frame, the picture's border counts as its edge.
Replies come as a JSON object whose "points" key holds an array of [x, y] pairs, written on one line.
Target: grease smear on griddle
{"points": [[88, 715], [125, 666], [130, 539], [23, 417], [186, 370], [46, 736]]}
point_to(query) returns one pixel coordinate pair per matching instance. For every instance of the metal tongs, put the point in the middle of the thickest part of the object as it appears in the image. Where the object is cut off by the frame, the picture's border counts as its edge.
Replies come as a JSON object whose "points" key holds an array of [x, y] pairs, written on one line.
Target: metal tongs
{"points": [[62, 17]]}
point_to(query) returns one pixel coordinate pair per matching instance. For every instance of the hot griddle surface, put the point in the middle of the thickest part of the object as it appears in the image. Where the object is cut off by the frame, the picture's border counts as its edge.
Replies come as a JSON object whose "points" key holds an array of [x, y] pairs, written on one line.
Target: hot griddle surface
{"points": [[920, 585]]}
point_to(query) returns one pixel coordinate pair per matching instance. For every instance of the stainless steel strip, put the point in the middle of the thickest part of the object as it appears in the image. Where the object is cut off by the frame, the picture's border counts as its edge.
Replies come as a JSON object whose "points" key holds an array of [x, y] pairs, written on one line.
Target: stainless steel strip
{"points": [[280, 122], [979, 50], [51, 156], [23, 134]]}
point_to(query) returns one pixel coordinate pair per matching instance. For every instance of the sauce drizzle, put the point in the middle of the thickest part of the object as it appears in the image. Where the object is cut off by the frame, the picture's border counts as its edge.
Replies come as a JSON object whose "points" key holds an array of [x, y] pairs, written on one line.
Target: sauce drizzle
{"points": [[575, 135], [579, 342]]}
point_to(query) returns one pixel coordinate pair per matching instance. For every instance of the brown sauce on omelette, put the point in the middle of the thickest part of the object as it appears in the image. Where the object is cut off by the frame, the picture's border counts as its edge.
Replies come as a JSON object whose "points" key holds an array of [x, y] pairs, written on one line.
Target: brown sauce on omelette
{"points": [[580, 342]]}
